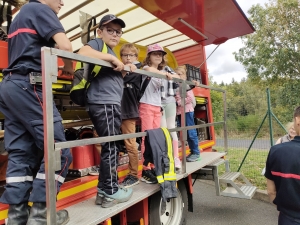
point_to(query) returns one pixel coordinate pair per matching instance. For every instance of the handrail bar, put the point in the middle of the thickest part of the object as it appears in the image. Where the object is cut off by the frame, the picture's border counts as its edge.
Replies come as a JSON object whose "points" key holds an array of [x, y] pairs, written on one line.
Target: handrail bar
{"points": [[99, 140], [85, 59]]}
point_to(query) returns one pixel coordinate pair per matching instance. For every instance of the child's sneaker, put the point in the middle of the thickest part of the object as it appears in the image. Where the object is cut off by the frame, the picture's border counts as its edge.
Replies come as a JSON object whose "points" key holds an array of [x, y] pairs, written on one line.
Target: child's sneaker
{"points": [[148, 177], [99, 197], [188, 155], [130, 181], [94, 171], [122, 195], [193, 158], [177, 164]]}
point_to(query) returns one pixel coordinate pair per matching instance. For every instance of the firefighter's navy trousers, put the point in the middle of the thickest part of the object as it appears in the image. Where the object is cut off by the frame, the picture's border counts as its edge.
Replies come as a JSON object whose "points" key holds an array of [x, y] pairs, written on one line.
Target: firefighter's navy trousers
{"points": [[21, 104]]}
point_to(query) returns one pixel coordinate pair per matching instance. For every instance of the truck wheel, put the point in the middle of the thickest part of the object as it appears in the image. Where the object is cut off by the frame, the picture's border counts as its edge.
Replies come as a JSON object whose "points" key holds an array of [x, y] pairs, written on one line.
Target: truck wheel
{"points": [[172, 212]]}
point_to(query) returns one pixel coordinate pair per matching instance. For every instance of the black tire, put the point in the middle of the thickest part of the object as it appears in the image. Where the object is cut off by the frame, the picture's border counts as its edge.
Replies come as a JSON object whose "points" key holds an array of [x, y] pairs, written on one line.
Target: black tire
{"points": [[173, 212]]}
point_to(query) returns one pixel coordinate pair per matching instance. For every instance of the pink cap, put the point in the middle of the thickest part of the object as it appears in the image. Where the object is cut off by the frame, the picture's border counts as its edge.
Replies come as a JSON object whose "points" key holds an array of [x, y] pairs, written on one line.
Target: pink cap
{"points": [[155, 48]]}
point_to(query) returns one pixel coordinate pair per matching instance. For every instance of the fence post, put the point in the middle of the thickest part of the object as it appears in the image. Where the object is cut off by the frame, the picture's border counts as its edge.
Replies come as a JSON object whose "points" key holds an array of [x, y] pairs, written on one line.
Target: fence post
{"points": [[270, 117], [225, 123]]}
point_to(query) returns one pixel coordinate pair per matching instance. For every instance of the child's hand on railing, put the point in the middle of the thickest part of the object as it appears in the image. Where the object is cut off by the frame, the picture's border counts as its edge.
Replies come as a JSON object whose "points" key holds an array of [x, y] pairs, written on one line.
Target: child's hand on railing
{"points": [[119, 66], [196, 83]]}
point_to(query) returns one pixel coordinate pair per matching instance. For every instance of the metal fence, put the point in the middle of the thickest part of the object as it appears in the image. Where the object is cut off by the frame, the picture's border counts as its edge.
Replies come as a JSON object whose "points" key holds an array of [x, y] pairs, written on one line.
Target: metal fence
{"points": [[250, 136]]}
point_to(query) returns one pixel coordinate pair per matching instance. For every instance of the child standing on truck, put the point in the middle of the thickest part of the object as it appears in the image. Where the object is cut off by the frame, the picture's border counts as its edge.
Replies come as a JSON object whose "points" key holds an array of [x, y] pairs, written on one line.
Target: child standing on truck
{"points": [[168, 118], [130, 112], [150, 103], [104, 97], [192, 137]]}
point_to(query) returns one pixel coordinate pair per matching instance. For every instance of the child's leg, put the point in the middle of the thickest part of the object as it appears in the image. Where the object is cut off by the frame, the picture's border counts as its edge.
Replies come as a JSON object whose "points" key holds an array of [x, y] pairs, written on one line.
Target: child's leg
{"points": [[156, 121], [170, 115], [128, 126], [157, 117], [192, 134], [107, 122], [147, 118], [163, 120]]}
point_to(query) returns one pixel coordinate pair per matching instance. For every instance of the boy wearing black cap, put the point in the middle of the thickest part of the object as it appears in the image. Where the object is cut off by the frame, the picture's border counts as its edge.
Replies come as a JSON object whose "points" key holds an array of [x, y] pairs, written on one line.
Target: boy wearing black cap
{"points": [[104, 97]]}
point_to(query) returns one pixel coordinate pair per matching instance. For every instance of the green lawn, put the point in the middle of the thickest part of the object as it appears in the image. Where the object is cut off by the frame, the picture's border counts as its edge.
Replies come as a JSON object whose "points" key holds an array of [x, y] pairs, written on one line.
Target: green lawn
{"points": [[252, 166]]}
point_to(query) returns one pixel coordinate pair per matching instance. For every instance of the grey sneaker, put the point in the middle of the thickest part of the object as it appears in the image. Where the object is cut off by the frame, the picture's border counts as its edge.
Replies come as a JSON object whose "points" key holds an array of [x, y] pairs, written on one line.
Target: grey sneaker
{"points": [[193, 158], [129, 181], [99, 197], [122, 195], [94, 171]]}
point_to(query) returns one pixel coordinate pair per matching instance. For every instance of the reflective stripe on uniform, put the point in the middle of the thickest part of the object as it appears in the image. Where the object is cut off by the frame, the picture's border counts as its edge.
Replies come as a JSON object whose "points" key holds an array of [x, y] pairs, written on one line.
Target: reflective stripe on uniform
{"points": [[171, 175], [18, 179], [160, 179], [22, 30], [42, 176]]}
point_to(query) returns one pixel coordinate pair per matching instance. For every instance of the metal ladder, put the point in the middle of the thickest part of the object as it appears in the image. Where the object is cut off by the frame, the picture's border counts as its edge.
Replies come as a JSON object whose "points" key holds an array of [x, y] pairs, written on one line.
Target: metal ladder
{"points": [[236, 190]]}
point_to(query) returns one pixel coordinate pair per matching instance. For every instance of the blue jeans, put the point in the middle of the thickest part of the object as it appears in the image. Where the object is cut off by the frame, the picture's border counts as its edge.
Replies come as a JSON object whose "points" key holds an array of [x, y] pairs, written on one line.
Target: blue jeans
{"points": [[192, 136], [286, 220]]}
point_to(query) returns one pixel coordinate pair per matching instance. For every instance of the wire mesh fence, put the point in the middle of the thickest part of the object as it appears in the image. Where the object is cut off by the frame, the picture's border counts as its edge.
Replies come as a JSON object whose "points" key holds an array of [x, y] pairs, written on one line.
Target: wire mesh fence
{"points": [[249, 139]]}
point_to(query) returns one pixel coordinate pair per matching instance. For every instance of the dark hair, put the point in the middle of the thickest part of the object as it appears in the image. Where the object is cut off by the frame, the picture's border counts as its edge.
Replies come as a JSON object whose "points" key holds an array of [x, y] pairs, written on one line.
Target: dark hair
{"points": [[297, 112], [147, 62]]}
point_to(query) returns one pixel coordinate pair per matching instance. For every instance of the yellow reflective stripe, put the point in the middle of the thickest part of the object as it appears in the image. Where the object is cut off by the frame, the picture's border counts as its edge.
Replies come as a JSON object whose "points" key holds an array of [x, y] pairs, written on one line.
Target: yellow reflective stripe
{"points": [[78, 65], [81, 85], [170, 177], [160, 179], [170, 152], [97, 68]]}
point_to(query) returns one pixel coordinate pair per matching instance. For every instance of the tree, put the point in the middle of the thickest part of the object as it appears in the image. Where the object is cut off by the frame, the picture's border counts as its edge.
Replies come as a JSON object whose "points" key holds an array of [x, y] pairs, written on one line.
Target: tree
{"points": [[244, 99], [272, 53], [217, 101]]}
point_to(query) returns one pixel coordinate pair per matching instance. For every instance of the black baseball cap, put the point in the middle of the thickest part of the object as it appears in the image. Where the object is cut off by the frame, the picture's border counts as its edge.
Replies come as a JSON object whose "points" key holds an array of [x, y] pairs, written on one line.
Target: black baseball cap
{"points": [[109, 18]]}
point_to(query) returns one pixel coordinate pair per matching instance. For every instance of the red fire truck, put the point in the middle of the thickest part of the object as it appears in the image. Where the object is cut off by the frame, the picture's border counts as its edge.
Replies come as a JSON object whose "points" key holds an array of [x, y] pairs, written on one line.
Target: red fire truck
{"points": [[184, 28]]}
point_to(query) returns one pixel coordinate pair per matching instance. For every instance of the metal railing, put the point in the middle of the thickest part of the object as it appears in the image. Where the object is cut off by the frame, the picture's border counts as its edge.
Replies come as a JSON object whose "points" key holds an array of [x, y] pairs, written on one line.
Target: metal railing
{"points": [[52, 149]]}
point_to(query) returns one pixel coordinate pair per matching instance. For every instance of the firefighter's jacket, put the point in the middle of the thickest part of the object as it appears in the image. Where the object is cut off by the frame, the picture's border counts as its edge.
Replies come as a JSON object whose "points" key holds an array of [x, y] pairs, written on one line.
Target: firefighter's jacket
{"points": [[159, 151]]}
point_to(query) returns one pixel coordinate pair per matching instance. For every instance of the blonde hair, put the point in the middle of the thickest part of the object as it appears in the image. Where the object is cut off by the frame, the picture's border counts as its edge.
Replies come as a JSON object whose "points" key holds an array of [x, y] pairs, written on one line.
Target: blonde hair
{"points": [[289, 125], [131, 47], [181, 69]]}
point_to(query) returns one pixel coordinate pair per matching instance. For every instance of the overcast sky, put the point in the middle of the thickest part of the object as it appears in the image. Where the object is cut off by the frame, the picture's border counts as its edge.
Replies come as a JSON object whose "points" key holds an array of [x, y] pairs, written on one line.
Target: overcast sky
{"points": [[222, 65]]}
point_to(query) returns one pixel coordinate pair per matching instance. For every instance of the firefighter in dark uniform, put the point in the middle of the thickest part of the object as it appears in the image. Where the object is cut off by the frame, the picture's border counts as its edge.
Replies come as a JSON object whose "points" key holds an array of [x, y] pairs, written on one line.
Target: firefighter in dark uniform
{"points": [[35, 26]]}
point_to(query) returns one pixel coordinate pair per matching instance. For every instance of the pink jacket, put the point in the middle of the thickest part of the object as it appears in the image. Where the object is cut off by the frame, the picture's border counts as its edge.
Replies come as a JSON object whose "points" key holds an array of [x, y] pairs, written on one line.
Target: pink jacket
{"points": [[188, 102]]}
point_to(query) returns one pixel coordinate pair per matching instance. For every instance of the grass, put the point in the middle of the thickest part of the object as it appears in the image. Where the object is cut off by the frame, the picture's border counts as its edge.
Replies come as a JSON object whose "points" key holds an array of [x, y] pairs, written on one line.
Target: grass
{"points": [[252, 166]]}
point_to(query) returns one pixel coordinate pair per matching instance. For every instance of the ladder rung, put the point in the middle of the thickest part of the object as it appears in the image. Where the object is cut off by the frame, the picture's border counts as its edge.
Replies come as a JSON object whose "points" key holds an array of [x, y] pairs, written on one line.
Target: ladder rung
{"points": [[248, 190], [229, 176]]}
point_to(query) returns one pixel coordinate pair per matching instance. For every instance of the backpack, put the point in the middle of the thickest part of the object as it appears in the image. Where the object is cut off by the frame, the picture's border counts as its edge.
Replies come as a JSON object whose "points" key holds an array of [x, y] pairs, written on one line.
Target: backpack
{"points": [[83, 77]]}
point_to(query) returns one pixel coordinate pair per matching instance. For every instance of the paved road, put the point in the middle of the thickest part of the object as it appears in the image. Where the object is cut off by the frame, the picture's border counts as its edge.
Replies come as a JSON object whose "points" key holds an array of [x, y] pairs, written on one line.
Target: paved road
{"points": [[210, 209], [245, 143]]}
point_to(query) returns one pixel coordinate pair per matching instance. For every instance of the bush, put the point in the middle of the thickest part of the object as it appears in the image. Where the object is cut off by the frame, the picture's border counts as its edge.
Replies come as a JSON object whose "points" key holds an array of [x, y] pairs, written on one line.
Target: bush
{"points": [[249, 123]]}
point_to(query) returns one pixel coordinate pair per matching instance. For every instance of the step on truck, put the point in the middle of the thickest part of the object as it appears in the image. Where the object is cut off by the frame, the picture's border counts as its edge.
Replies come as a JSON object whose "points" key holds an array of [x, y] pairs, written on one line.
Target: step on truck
{"points": [[183, 28]]}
